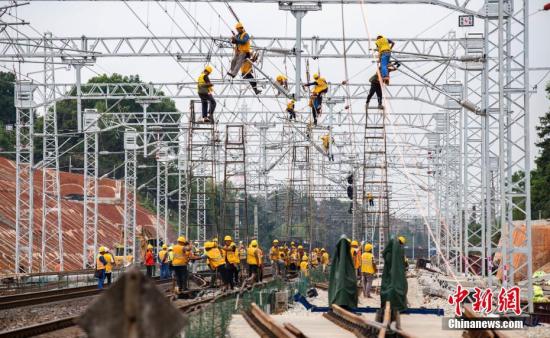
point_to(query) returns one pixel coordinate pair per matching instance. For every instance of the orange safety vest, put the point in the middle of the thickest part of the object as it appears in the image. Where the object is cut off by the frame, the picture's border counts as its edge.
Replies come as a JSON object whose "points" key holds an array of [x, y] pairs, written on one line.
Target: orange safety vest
{"points": [[99, 265], [274, 253]]}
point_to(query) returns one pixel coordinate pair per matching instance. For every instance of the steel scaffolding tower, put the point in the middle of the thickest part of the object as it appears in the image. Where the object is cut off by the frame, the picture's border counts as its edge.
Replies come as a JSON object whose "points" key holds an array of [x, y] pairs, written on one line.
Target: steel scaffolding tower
{"points": [[298, 194], [234, 184], [24, 186], [163, 158], [375, 190], [183, 180], [202, 159], [52, 232], [89, 244], [130, 181]]}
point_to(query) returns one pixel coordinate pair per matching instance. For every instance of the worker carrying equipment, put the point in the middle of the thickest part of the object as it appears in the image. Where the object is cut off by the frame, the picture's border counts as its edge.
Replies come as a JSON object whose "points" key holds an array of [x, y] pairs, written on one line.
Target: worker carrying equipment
{"points": [[290, 109], [376, 88], [242, 49], [205, 89], [368, 270], [384, 46], [316, 99]]}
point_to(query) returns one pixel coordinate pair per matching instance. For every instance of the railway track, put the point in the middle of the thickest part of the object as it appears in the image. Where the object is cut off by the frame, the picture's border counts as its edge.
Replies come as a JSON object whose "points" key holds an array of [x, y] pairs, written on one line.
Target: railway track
{"points": [[68, 322], [36, 298]]}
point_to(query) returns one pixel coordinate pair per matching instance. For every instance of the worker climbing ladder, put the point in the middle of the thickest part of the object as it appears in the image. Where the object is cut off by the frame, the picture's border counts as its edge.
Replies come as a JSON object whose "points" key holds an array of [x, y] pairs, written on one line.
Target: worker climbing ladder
{"points": [[234, 200], [201, 153], [375, 191]]}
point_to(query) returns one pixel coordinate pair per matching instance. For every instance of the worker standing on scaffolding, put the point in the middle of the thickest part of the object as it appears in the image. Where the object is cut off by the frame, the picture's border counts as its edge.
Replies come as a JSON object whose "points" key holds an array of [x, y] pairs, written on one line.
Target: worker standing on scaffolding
{"points": [[247, 71], [281, 81], [316, 99], [376, 88], [290, 109], [384, 46], [204, 89], [242, 49]]}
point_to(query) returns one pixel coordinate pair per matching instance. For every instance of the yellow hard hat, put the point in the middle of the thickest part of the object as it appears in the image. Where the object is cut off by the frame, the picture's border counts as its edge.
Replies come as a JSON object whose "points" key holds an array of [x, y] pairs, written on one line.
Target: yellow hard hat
{"points": [[181, 239], [322, 249], [305, 258], [208, 69], [368, 247], [254, 243], [149, 246], [402, 239], [208, 245], [239, 25], [164, 246], [300, 247], [227, 238], [101, 249], [275, 241], [292, 243], [215, 239], [316, 76], [354, 243], [280, 77], [170, 248]]}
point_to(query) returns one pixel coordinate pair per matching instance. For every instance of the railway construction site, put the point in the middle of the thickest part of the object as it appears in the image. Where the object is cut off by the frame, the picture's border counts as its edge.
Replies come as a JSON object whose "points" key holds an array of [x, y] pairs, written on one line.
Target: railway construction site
{"points": [[259, 168]]}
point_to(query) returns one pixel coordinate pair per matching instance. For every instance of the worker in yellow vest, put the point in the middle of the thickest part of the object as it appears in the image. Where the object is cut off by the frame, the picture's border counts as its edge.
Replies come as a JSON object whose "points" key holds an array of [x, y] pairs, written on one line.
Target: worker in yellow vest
{"points": [[294, 259], [163, 260], [384, 46], [232, 261], [316, 99], [109, 266], [314, 261], [282, 81], [242, 49], [254, 261], [304, 266], [290, 109], [275, 257], [368, 270], [247, 72], [216, 263], [325, 260], [205, 89], [100, 263], [181, 255]]}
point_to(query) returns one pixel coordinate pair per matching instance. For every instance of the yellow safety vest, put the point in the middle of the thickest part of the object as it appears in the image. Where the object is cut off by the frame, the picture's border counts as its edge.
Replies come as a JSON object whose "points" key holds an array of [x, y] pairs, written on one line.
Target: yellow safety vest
{"points": [[162, 254], [383, 45], [99, 265], [314, 261], [303, 266], [290, 105], [246, 67], [320, 85], [170, 256], [181, 257], [231, 255], [245, 48], [274, 253], [325, 140], [367, 263], [202, 86], [325, 258], [251, 256], [215, 258], [109, 265]]}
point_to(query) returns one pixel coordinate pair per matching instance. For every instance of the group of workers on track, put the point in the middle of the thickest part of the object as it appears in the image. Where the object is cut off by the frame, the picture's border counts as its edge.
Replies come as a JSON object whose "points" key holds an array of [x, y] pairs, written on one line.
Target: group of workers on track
{"points": [[234, 264], [244, 58]]}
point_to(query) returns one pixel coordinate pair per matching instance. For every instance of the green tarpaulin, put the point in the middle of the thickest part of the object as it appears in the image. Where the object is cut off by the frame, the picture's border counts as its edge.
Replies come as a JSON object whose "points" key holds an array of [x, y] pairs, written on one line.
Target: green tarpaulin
{"points": [[342, 288], [394, 281]]}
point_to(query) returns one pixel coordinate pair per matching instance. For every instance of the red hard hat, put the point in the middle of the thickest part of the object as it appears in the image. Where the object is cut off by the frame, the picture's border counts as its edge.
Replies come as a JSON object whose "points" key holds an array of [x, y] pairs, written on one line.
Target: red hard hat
{"points": [[546, 7]]}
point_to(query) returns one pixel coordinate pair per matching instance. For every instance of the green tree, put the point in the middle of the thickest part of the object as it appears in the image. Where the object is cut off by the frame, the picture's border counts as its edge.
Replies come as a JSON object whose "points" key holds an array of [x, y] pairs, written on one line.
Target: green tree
{"points": [[540, 177]]}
